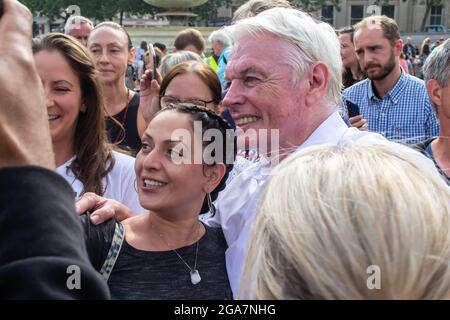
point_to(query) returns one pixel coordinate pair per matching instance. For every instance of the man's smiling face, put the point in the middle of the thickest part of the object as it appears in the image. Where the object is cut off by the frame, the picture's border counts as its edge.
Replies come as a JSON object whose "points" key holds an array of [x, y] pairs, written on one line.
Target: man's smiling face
{"points": [[261, 93]]}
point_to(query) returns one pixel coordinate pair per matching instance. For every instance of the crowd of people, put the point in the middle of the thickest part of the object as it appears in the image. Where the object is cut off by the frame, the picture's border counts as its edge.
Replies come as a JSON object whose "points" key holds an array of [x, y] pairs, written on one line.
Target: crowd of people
{"points": [[285, 166]]}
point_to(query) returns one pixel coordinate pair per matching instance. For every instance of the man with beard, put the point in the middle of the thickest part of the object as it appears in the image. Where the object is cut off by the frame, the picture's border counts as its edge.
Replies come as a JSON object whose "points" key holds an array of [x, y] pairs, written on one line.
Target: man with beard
{"points": [[392, 102]]}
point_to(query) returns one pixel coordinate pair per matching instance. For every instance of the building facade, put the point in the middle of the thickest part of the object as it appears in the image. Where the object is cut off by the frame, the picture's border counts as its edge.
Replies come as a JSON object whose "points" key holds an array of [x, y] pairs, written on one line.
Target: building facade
{"points": [[407, 14]]}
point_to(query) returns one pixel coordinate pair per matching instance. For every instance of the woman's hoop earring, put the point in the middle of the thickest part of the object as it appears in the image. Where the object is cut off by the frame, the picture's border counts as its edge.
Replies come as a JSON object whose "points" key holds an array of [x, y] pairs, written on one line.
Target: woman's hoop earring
{"points": [[211, 207], [135, 185]]}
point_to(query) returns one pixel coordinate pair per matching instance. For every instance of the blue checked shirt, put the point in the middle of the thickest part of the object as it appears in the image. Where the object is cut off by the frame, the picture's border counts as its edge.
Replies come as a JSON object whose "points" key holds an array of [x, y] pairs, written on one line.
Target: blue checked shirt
{"points": [[404, 114]]}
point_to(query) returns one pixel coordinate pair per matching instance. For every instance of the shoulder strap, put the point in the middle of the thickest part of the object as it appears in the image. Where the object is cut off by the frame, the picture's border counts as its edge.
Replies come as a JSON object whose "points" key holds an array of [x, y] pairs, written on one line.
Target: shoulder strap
{"points": [[114, 250]]}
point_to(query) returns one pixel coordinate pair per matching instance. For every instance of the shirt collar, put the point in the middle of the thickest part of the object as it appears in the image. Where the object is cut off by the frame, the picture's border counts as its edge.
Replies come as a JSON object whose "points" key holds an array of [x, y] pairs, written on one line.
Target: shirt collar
{"points": [[393, 94], [329, 131], [65, 168]]}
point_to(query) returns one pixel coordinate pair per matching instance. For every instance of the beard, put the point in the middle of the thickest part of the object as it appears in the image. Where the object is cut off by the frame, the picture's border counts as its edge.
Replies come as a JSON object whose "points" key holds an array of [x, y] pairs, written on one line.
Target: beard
{"points": [[384, 70]]}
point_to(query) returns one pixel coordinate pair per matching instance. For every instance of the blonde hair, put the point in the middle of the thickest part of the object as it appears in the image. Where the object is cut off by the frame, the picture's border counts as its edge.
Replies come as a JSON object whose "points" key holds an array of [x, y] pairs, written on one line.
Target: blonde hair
{"points": [[425, 41], [331, 212]]}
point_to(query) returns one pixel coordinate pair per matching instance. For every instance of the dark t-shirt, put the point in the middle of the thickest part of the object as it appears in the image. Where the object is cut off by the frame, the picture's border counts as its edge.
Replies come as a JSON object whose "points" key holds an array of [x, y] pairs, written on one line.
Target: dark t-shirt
{"points": [[141, 274], [128, 118]]}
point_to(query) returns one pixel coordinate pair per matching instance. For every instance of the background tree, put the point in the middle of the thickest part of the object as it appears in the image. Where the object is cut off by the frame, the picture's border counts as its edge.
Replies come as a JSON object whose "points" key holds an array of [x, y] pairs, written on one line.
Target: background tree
{"points": [[99, 10], [49, 8], [208, 10]]}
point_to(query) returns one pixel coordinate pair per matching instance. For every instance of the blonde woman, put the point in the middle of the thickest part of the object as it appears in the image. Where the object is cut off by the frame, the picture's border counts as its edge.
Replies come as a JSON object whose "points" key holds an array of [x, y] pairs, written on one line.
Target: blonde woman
{"points": [[356, 221]]}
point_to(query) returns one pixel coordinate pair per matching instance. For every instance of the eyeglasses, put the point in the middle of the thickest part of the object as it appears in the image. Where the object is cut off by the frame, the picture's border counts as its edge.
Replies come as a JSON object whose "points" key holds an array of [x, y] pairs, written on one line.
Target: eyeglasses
{"points": [[165, 101]]}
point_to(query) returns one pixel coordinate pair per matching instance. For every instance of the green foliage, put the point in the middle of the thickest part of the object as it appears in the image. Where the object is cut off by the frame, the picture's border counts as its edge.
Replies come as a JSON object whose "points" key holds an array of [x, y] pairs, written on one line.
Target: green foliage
{"points": [[207, 11], [107, 9], [49, 8], [97, 9]]}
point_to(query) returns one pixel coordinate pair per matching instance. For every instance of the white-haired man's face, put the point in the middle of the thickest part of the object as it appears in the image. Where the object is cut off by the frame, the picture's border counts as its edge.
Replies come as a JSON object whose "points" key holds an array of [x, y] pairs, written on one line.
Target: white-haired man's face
{"points": [[81, 33], [217, 47], [261, 94]]}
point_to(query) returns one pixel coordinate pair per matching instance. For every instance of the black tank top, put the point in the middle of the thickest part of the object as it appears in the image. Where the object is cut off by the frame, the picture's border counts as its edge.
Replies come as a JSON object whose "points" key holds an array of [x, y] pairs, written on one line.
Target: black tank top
{"points": [[128, 118]]}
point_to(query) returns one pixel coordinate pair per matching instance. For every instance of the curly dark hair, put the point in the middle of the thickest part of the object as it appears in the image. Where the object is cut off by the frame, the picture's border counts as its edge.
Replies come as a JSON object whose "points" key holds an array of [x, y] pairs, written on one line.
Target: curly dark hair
{"points": [[211, 120]]}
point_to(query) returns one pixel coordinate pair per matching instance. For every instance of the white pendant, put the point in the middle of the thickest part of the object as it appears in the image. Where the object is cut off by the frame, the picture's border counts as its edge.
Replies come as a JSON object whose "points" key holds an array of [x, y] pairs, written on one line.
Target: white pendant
{"points": [[195, 276]]}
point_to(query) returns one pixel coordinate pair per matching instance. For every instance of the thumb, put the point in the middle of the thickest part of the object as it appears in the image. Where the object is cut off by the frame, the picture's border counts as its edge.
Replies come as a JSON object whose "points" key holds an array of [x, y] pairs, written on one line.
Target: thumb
{"points": [[102, 214], [87, 202]]}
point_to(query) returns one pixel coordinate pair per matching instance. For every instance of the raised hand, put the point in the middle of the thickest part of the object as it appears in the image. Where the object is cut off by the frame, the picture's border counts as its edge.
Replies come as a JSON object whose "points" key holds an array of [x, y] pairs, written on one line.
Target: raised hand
{"points": [[149, 95], [24, 130]]}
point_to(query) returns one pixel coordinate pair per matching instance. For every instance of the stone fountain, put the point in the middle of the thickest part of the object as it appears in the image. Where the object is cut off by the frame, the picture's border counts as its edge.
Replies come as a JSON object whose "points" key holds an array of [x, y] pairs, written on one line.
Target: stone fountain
{"points": [[177, 10]]}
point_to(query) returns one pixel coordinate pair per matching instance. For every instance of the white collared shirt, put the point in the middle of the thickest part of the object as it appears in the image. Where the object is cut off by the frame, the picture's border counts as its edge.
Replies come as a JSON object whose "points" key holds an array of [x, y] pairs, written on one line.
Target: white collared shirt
{"points": [[237, 204], [119, 181]]}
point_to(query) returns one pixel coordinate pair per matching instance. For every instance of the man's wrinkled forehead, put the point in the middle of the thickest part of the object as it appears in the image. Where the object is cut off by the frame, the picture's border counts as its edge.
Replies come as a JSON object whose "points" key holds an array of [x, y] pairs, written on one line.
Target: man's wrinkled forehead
{"points": [[249, 54]]}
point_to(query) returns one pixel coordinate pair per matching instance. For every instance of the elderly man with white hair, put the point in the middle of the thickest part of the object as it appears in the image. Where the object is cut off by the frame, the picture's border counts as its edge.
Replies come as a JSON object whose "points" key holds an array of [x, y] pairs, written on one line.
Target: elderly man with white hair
{"points": [[221, 45], [437, 75], [283, 75], [79, 27]]}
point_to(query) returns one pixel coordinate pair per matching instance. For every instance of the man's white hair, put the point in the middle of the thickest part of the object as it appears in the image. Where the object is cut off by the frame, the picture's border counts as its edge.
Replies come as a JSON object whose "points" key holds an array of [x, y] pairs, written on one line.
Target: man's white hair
{"points": [[313, 41], [71, 22], [220, 36]]}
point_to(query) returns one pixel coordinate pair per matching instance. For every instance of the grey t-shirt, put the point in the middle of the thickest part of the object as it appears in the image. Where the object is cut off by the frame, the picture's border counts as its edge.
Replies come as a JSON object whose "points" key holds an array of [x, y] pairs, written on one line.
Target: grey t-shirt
{"points": [[141, 274]]}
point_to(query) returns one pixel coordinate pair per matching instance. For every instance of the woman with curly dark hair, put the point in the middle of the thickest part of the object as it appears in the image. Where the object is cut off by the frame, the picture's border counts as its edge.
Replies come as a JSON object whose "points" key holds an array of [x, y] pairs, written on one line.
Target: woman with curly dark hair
{"points": [[167, 253]]}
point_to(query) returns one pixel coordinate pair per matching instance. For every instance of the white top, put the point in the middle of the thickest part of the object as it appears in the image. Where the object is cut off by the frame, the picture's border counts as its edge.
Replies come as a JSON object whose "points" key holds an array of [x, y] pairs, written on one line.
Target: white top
{"points": [[236, 205], [240, 164], [119, 181]]}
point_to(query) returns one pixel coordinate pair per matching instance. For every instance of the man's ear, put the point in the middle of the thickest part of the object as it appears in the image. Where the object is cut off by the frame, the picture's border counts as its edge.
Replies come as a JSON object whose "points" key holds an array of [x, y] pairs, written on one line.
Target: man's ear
{"points": [[319, 75], [214, 175], [435, 92]]}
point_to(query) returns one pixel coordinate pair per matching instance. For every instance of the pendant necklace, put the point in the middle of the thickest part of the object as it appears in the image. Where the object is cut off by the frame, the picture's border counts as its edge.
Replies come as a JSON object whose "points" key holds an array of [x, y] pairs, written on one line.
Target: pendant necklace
{"points": [[195, 275]]}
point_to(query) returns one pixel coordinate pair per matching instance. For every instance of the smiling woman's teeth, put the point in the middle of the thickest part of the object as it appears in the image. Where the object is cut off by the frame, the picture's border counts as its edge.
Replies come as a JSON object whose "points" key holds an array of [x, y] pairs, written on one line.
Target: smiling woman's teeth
{"points": [[52, 117], [246, 120], [153, 183]]}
